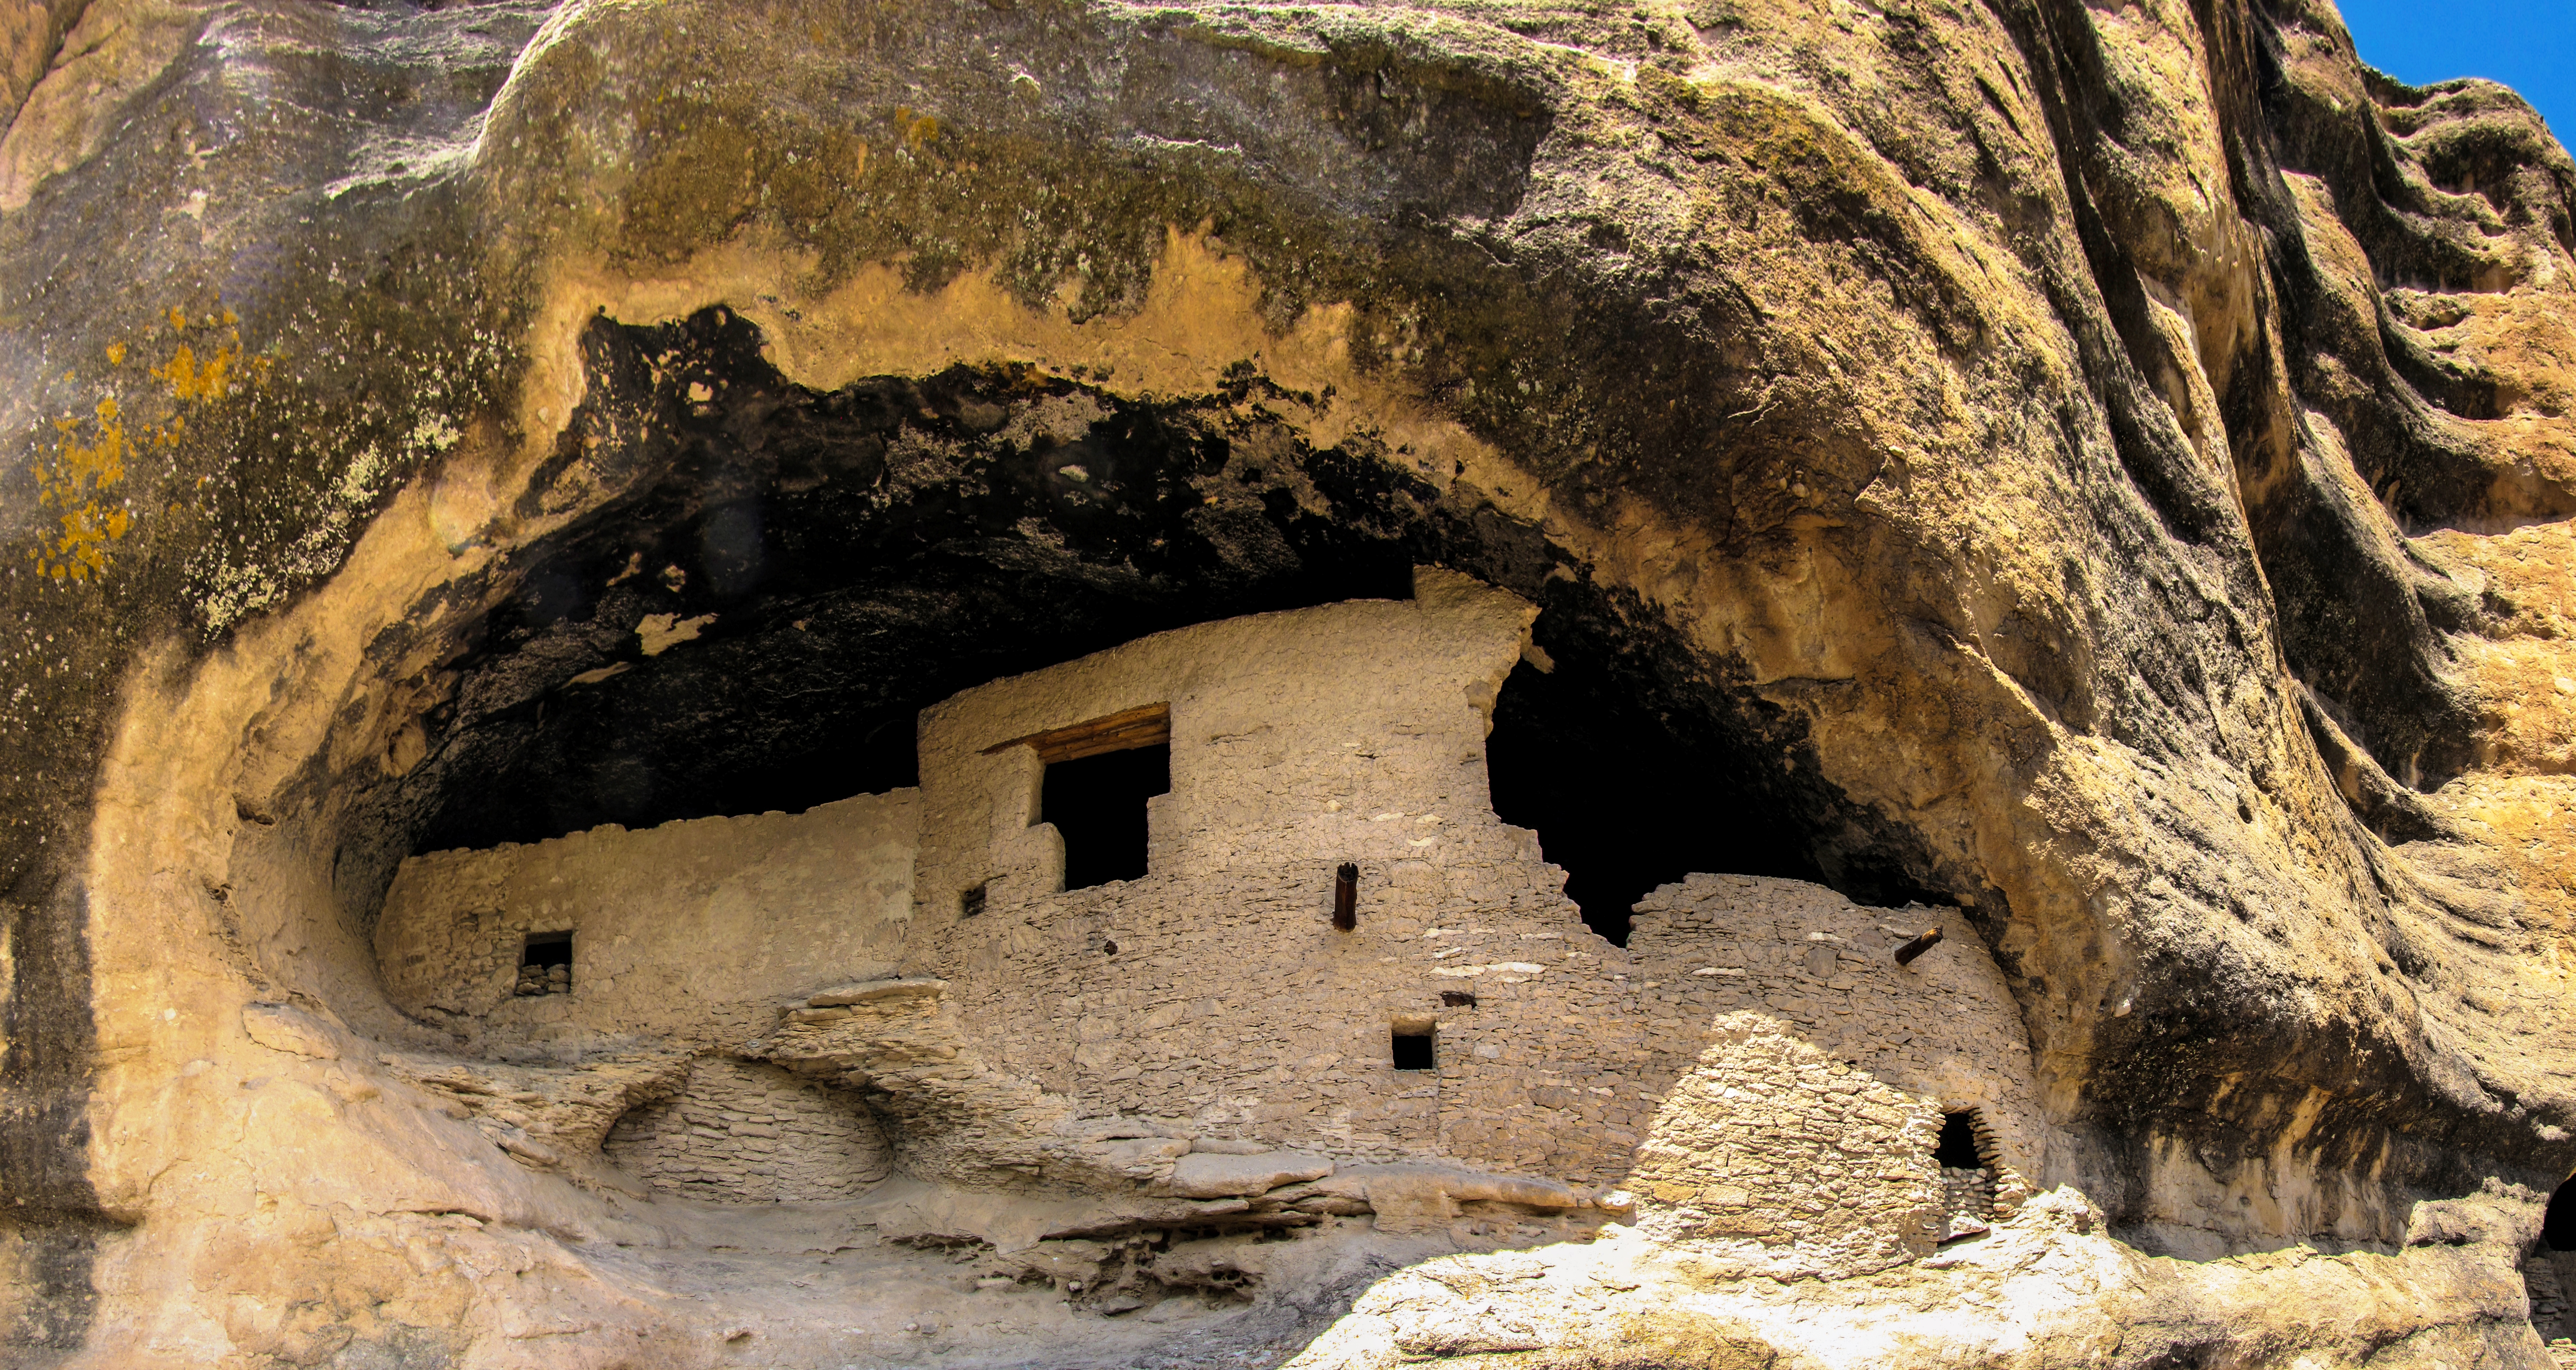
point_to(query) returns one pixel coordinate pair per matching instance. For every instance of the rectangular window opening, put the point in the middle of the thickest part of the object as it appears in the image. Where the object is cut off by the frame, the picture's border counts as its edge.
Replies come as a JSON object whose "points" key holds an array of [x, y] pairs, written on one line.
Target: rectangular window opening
{"points": [[1413, 1049], [971, 902], [545, 964], [1098, 777]]}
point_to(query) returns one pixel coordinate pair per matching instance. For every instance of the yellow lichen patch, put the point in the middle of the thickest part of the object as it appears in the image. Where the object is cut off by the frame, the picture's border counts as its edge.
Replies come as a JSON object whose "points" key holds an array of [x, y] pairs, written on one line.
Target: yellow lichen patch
{"points": [[77, 482], [192, 379], [917, 129], [77, 476]]}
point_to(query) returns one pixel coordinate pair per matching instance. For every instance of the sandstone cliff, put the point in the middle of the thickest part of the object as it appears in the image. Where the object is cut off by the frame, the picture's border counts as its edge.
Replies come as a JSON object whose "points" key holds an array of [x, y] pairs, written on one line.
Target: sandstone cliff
{"points": [[2104, 468]]}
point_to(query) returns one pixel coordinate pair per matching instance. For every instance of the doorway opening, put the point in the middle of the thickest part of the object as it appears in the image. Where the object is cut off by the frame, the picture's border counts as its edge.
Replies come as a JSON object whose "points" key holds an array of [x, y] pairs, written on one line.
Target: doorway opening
{"points": [[2549, 1271], [1966, 1156]]}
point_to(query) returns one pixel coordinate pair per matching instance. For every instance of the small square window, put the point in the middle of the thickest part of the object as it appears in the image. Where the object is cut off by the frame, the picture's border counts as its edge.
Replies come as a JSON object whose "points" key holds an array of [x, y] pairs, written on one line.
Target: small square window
{"points": [[545, 964], [1413, 1050], [971, 902]]}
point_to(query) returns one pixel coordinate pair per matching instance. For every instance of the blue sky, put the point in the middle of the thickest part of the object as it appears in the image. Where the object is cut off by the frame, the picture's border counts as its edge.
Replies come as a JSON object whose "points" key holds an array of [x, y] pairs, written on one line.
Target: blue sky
{"points": [[2529, 45]]}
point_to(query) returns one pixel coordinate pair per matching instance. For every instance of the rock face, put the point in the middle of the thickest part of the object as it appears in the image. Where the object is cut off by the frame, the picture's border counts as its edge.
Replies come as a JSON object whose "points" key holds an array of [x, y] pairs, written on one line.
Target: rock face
{"points": [[2100, 474]]}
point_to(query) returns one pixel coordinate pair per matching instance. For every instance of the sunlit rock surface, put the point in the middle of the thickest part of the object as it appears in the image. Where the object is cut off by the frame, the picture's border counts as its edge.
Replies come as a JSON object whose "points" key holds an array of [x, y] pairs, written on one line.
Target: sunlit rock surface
{"points": [[1763, 477]]}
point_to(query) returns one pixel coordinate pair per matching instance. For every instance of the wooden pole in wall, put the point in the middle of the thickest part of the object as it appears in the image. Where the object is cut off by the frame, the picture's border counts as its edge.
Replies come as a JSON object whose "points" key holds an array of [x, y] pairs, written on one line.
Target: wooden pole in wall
{"points": [[1931, 938], [1346, 897]]}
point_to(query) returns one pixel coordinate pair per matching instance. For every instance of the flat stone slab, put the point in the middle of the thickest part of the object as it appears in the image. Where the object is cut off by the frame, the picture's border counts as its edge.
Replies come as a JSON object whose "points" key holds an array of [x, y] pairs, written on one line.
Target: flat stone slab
{"points": [[1205, 1175], [866, 991], [1419, 1197]]}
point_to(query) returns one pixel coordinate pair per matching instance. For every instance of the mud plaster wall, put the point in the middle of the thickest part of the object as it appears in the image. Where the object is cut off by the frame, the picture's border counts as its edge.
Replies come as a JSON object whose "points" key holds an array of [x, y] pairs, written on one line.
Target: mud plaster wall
{"points": [[739, 1132], [689, 934]]}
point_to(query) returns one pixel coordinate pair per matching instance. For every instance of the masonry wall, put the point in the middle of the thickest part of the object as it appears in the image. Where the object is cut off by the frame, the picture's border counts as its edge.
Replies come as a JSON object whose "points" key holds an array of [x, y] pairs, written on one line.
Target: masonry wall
{"points": [[740, 1132], [1352, 732], [1943, 1031], [1772, 1146], [1215, 990], [1753, 1066], [689, 934]]}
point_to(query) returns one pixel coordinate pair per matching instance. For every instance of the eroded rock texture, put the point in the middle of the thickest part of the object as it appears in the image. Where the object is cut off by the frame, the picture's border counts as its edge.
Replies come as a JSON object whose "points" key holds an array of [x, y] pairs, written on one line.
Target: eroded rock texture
{"points": [[2104, 470]]}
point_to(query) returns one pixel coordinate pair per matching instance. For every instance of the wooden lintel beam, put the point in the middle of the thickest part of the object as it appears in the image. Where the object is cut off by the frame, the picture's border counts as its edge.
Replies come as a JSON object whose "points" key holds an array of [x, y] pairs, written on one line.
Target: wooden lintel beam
{"points": [[1147, 726]]}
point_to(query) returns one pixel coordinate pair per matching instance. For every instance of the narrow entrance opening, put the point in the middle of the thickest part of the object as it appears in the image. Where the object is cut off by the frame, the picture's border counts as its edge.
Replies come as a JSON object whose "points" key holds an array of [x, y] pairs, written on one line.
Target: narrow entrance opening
{"points": [[1965, 1156], [1413, 1048], [1957, 1149], [2549, 1271]]}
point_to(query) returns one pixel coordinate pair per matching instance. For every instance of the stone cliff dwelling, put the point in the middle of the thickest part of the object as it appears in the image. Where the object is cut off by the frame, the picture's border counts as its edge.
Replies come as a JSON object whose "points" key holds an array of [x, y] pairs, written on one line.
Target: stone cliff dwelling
{"points": [[1749, 684], [1109, 912]]}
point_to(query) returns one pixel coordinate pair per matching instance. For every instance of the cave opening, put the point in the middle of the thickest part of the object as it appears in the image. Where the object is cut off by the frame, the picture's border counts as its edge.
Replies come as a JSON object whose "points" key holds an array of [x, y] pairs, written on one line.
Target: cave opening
{"points": [[1606, 745], [1097, 804], [791, 575]]}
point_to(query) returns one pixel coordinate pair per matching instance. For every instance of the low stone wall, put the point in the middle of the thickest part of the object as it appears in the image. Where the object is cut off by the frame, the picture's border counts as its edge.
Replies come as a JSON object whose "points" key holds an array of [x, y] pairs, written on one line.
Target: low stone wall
{"points": [[740, 1132], [1943, 1031], [689, 934], [1967, 1198], [1771, 1143]]}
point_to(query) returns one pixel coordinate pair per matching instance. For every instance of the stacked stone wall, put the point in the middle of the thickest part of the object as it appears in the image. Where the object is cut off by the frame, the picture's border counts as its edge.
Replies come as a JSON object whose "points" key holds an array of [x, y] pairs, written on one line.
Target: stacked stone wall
{"points": [[1943, 1030], [1771, 1145], [1299, 741], [1967, 1196], [740, 1132], [1785, 1078], [690, 933]]}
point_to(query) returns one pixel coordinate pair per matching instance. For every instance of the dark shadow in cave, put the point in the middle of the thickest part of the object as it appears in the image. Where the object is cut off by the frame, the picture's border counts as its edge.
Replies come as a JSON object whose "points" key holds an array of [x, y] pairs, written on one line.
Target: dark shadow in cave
{"points": [[1630, 783], [2558, 1222], [790, 575], [793, 574]]}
